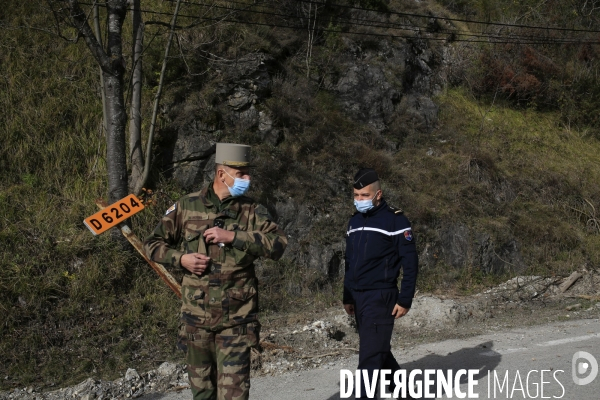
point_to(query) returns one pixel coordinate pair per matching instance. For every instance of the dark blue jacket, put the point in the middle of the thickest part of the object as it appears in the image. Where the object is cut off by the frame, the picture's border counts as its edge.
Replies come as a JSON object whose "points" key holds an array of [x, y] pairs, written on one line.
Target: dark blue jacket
{"points": [[378, 243]]}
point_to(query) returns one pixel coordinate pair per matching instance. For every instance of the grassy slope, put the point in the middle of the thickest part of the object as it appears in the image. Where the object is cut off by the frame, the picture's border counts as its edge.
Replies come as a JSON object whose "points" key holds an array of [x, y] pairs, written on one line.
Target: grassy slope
{"points": [[73, 305], [520, 173], [70, 303]]}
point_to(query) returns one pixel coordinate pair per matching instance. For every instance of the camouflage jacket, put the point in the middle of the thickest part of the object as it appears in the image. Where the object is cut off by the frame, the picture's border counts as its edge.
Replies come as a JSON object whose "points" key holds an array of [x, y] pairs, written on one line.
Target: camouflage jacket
{"points": [[225, 294]]}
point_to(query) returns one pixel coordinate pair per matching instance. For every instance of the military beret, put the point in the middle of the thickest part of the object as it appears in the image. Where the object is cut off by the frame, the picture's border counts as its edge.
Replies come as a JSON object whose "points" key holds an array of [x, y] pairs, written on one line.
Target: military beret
{"points": [[364, 177]]}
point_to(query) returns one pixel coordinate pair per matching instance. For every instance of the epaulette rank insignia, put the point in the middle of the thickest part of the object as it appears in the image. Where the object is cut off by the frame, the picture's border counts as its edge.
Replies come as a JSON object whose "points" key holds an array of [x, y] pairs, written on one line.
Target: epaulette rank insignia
{"points": [[396, 210]]}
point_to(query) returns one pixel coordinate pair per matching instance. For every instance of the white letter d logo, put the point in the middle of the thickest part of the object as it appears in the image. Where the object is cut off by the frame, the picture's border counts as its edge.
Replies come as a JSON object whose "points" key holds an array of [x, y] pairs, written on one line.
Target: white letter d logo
{"points": [[581, 367]]}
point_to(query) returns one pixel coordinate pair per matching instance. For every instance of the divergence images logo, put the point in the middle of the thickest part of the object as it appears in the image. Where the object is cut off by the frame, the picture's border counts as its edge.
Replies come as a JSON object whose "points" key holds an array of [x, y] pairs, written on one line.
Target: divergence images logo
{"points": [[583, 362]]}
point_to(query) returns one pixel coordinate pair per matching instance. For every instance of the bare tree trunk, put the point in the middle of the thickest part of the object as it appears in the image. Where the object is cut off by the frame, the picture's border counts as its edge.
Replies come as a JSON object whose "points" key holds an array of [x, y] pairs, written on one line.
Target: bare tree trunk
{"points": [[99, 39], [142, 182], [116, 160], [135, 120], [113, 69]]}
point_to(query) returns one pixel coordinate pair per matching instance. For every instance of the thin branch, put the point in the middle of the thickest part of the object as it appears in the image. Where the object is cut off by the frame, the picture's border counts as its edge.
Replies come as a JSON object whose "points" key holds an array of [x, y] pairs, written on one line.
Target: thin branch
{"points": [[80, 22], [182, 55], [99, 39], [309, 42], [200, 20], [58, 31], [147, 164], [136, 153]]}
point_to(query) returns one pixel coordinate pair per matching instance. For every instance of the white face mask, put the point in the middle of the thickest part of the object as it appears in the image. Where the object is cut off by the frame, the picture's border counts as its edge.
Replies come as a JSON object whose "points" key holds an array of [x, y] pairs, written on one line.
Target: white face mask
{"points": [[240, 186], [364, 205]]}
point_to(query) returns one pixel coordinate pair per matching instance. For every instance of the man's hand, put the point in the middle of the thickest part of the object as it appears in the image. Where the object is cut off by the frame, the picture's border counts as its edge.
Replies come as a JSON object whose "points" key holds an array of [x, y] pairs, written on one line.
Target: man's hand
{"points": [[399, 311], [196, 263], [218, 235], [349, 308]]}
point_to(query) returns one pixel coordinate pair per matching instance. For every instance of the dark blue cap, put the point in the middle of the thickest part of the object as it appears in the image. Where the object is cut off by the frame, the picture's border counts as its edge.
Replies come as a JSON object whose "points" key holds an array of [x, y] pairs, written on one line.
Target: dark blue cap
{"points": [[364, 177]]}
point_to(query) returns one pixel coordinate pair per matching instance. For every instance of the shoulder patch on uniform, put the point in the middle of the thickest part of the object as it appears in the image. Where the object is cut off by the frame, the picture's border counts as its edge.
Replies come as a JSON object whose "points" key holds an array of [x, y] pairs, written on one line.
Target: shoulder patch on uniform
{"points": [[171, 209], [262, 210], [408, 235], [396, 210]]}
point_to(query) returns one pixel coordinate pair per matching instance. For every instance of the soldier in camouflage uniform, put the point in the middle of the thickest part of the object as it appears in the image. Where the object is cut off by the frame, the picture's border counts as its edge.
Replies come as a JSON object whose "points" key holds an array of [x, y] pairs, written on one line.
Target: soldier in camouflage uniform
{"points": [[215, 235]]}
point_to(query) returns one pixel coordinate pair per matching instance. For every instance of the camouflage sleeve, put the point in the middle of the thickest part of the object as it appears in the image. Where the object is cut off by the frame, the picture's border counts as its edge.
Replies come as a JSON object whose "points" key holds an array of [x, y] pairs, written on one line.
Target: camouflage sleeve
{"points": [[161, 245], [265, 239]]}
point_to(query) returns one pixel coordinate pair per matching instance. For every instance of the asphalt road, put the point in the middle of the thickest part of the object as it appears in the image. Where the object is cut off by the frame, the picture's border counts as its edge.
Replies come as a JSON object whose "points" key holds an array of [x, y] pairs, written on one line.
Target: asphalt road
{"points": [[533, 362]]}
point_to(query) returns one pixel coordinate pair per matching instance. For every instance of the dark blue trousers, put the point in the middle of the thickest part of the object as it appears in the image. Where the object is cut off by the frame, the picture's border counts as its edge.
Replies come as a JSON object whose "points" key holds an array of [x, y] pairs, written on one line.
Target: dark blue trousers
{"points": [[375, 322]]}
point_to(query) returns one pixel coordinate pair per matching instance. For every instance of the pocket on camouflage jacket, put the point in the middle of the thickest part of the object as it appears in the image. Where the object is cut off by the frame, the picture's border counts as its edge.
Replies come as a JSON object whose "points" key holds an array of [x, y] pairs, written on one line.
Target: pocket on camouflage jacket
{"points": [[242, 302]]}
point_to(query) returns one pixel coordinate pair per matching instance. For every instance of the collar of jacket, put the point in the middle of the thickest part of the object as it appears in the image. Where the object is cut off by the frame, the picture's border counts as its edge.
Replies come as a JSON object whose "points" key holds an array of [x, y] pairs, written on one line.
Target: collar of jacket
{"points": [[382, 205], [229, 206]]}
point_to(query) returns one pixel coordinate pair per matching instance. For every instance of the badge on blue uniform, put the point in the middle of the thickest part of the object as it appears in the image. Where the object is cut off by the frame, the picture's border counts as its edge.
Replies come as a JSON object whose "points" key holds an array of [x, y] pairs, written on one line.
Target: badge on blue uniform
{"points": [[408, 235]]}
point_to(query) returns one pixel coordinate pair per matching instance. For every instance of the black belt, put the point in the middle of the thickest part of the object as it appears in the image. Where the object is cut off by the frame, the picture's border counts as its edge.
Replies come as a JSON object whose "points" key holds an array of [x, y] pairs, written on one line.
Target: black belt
{"points": [[236, 330]]}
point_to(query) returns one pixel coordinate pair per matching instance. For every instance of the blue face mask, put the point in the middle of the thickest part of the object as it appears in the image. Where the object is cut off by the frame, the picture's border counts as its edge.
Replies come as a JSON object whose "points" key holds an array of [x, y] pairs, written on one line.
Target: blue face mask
{"points": [[364, 205], [240, 186]]}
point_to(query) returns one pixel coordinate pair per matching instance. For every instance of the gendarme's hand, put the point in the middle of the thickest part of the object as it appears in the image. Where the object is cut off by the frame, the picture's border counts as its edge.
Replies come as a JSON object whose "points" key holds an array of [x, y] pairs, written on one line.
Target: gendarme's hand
{"points": [[218, 235], [196, 263], [399, 311], [349, 308]]}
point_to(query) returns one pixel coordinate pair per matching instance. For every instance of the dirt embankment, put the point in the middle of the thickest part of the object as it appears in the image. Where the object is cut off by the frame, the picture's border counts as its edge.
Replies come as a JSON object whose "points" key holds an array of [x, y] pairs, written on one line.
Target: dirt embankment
{"points": [[309, 340]]}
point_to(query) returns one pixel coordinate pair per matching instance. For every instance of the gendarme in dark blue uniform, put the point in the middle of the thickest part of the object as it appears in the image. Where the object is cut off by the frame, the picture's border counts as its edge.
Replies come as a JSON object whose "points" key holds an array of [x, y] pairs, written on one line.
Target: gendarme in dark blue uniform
{"points": [[379, 241]]}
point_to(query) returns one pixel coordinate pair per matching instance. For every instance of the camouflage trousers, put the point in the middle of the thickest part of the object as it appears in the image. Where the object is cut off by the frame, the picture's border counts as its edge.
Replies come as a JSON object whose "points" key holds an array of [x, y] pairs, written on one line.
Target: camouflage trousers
{"points": [[218, 362]]}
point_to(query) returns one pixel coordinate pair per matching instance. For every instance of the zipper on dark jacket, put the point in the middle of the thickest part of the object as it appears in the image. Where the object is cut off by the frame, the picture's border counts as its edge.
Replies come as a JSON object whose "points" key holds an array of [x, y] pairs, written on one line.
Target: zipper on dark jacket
{"points": [[386, 270], [357, 258]]}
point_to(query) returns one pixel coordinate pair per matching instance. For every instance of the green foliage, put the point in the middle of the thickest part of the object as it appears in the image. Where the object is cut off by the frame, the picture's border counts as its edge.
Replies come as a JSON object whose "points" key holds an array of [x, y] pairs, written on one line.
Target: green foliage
{"points": [[541, 76], [535, 195]]}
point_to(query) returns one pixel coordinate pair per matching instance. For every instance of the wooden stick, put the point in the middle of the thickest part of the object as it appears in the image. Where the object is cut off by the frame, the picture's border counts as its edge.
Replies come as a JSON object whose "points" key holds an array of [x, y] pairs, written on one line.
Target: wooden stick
{"points": [[586, 296], [570, 281], [270, 346], [137, 244]]}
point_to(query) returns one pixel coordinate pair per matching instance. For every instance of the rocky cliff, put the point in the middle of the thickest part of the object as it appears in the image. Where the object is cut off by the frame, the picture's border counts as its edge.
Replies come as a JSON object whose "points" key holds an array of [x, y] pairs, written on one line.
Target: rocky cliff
{"points": [[364, 96]]}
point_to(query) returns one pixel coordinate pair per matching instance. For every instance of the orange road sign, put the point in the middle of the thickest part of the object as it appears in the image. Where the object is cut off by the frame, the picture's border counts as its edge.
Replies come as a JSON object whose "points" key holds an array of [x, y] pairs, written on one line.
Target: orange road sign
{"points": [[137, 244], [114, 214]]}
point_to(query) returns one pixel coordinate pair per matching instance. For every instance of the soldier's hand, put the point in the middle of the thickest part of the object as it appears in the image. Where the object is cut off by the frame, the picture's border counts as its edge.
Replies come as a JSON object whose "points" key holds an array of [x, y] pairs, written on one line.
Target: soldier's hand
{"points": [[218, 235], [349, 308], [196, 263], [399, 311]]}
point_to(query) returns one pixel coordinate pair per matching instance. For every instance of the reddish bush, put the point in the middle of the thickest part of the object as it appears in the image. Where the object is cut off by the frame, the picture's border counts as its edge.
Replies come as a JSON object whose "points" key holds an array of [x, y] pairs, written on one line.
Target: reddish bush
{"points": [[521, 73]]}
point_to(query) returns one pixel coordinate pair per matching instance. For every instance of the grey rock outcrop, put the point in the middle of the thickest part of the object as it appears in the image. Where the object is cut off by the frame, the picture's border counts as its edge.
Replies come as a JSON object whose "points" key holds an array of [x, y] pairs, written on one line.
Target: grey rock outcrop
{"points": [[422, 72], [459, 246], [192, 151], [188, 142], [420, 111], [133, 385], [385, 85], [267, 131], [131, 374], [166, 369], [392, 84], [455, 245], [367, 94], [433, 311], [241, 98]]}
